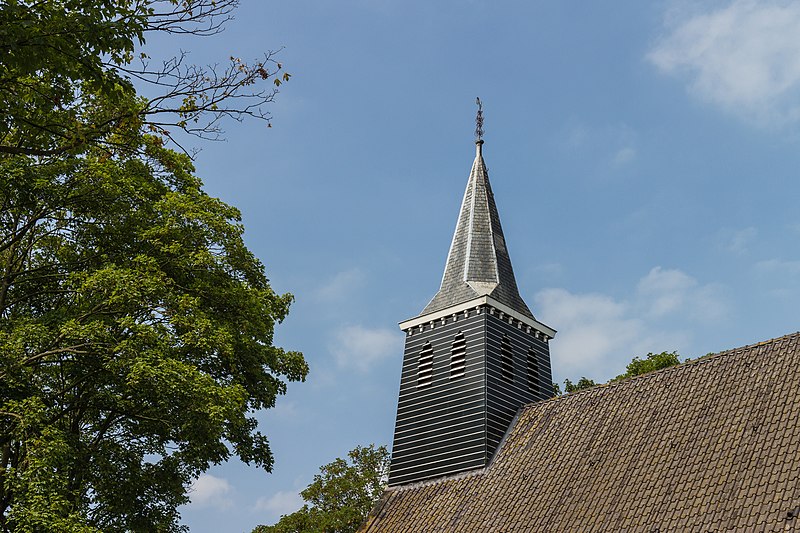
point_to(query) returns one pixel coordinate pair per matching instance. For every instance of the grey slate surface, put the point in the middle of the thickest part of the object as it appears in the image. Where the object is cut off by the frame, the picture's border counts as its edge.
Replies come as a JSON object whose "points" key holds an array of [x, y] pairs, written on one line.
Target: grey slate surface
{"points": [[478, 263]]}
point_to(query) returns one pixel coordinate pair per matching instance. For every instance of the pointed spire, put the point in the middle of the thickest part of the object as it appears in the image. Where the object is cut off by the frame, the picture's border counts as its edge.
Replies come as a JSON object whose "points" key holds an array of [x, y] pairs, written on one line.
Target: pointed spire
{"points": [[478, 263]]}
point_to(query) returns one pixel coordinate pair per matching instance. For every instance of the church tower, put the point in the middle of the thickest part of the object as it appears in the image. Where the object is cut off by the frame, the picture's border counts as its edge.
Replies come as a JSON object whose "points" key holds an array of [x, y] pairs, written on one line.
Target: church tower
{"points": [[474, 355]]}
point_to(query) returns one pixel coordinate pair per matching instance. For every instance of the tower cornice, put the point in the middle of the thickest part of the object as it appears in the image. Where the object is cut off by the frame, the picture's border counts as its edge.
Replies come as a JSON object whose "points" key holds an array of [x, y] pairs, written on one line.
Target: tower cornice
{"points": [[481, 301]]}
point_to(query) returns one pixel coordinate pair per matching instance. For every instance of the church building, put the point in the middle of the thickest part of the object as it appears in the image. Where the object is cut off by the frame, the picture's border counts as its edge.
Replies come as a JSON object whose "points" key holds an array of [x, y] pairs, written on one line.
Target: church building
{"points": [[480, 444]]}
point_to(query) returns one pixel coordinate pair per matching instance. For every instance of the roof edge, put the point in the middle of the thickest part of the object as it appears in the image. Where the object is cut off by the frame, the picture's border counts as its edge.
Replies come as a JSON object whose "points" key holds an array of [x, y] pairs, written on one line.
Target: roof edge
{"points": [[703, 359], [449, 477]]}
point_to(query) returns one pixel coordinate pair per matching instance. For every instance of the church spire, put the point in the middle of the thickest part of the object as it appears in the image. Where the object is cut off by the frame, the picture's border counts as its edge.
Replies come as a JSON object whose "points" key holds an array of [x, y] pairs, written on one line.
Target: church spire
{"points": [[474, 355], [478, 263]]}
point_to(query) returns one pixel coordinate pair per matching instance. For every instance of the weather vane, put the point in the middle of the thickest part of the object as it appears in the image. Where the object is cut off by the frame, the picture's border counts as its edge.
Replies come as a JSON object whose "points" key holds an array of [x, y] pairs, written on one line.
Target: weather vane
{"points": [[479, 121]]}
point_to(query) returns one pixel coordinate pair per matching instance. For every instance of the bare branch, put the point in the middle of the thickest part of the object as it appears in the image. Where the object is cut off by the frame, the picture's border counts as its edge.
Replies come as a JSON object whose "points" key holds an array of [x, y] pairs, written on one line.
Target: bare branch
{"points": [[199, 17], [192, 99]]}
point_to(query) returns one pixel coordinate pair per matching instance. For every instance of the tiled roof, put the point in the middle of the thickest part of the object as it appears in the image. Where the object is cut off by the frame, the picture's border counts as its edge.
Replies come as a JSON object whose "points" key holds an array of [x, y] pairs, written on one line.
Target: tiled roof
{"points": [[478, 262], [710, 445]]}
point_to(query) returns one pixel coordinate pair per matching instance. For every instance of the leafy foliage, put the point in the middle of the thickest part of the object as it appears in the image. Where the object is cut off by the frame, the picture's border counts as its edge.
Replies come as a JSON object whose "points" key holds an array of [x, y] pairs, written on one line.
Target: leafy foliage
{"points": [[68, 69], [651, 362], [136, 335], [637, 366], [341, 495], [583, 383], [136, 328]]}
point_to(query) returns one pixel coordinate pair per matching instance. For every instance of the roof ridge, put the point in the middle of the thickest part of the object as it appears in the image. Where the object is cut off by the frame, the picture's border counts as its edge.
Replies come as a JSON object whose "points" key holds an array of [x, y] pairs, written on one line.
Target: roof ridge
{"points": [[703, 359]]}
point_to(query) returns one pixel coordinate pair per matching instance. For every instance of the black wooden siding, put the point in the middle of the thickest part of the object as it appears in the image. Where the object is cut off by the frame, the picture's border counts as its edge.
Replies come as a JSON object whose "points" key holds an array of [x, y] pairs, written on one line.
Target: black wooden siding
{"points": [[504, 398], [455, 424], [440, 427]]}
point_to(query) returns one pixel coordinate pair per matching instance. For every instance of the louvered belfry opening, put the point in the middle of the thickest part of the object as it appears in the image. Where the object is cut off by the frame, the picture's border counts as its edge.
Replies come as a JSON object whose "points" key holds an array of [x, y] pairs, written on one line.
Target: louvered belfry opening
{"points": [[461, 381], [458, 356], [533, 369], [506, 359], [425, 369]]}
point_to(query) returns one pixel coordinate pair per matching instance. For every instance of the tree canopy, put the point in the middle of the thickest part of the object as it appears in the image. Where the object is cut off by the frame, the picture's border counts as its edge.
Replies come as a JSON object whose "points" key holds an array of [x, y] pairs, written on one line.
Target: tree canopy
{"points": [[136, 328], [69, 70], [341, 495], [650, 363], [637, 366]]}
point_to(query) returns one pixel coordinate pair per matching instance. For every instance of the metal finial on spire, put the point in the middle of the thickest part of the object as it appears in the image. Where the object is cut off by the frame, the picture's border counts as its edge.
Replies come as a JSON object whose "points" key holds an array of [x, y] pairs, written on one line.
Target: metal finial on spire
{"points": [[479, 121]]}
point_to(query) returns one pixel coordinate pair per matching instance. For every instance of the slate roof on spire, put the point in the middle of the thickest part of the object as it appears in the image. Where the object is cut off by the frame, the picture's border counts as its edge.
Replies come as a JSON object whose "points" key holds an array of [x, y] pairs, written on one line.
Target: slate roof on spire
{"points": [[478, 263]]}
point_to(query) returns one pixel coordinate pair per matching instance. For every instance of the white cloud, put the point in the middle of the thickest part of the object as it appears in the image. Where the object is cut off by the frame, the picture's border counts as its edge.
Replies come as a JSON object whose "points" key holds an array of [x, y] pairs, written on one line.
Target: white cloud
{"points": [[662, 292], [551, 270], [576, 135], [599, 334], [740, 240], [280, 503], [744, 57], [211, 491], [778, 266], [780, 278], [361, 348], [341, 285], [285, 408], [625, 155], [592, 328], [613, 143]]}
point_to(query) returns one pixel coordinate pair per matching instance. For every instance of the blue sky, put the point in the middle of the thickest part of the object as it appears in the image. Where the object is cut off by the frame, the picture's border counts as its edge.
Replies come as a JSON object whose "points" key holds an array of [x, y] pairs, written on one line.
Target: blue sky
{"points": [[643, 156]]}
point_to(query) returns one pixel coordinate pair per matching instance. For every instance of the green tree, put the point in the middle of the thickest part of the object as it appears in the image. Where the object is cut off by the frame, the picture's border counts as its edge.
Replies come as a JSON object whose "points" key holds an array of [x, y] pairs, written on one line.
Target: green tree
{"points": [[68, 68], [651, 362], [341, 495], [637, 366], [583, 383], [136, 328], [136, 336]]}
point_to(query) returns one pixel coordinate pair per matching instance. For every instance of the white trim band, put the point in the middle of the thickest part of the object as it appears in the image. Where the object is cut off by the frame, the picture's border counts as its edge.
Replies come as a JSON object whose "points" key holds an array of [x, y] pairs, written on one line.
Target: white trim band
{"points": [[471, 304]]}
